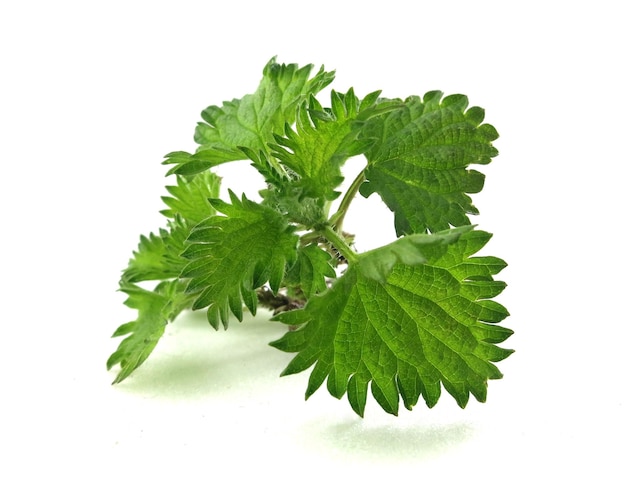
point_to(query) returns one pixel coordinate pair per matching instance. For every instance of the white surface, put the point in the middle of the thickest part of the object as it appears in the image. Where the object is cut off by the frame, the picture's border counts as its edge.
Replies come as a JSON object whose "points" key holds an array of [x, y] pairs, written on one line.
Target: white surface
{"points": [[93, 94]]}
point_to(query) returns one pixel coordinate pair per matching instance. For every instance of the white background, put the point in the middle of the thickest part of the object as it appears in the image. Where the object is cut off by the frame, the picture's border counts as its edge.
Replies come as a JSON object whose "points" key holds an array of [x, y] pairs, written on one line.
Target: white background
{"points": [[93, 94]]}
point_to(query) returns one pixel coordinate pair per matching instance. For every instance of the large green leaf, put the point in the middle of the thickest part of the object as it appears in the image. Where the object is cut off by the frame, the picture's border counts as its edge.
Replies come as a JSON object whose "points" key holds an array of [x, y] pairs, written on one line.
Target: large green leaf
{"points": [[420, 326], [234, 254], [419, 164]]}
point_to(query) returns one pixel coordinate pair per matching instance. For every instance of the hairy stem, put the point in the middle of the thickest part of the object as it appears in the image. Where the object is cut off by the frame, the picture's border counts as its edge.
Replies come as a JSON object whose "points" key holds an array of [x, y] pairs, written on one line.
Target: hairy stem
{"points": [[337, 219], [339, 243]]}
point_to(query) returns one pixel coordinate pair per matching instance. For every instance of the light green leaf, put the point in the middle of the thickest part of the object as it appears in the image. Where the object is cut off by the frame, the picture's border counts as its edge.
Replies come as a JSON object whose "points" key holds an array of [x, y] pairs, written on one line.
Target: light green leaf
{"points": [[323, 140], [158, 255], [424, 325], [189, 197], [232, 255], [188, 164], [419, 164], [410, 250], [251, 121], [156, 308]]}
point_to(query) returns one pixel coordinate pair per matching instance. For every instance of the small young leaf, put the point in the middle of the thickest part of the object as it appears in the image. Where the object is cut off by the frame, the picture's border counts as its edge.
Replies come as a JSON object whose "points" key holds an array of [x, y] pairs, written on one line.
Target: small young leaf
{"points": [[322, 142], [310, 271]]}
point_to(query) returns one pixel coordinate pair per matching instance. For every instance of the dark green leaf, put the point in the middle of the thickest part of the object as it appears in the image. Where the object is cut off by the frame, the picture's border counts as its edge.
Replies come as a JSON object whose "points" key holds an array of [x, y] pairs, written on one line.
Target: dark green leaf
{"points": [[419, 164], [421, 327], [232, 255]]}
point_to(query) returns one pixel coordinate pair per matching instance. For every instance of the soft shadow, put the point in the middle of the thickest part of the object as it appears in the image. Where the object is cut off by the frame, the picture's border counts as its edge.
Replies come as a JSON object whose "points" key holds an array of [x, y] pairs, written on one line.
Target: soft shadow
{"points": [[178, 378], [193, 360], [416, 441]]}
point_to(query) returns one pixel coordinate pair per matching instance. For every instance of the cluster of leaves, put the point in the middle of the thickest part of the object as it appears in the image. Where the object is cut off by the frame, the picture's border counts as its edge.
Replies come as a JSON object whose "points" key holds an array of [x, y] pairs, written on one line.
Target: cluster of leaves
{"points": [[402, 319]]}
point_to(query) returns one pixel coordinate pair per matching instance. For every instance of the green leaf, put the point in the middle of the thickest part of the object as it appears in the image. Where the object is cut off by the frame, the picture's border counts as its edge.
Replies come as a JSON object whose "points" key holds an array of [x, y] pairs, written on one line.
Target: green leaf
{"points": [[310, 270], [419, 163], [275, 175], [232, 255], [410, 250], [156, 308], [158, 255], [289, 199], [189, 198], [188, 164], [252, 120], [425, 325], [322, 142]]}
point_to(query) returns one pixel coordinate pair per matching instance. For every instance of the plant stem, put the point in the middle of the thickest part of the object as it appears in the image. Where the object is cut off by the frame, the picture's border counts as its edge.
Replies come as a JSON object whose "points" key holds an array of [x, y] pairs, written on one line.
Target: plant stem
{"points": [[337, 219], [339, 243]]}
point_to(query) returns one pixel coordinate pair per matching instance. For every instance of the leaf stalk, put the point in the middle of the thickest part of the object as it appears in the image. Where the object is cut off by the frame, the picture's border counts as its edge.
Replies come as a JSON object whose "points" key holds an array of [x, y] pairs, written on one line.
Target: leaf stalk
{"points": [[337, 219]]}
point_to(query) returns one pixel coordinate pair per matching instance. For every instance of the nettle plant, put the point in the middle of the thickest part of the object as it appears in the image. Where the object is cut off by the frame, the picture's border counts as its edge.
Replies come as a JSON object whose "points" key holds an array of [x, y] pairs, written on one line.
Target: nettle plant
{"points": [[399, 320]]}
